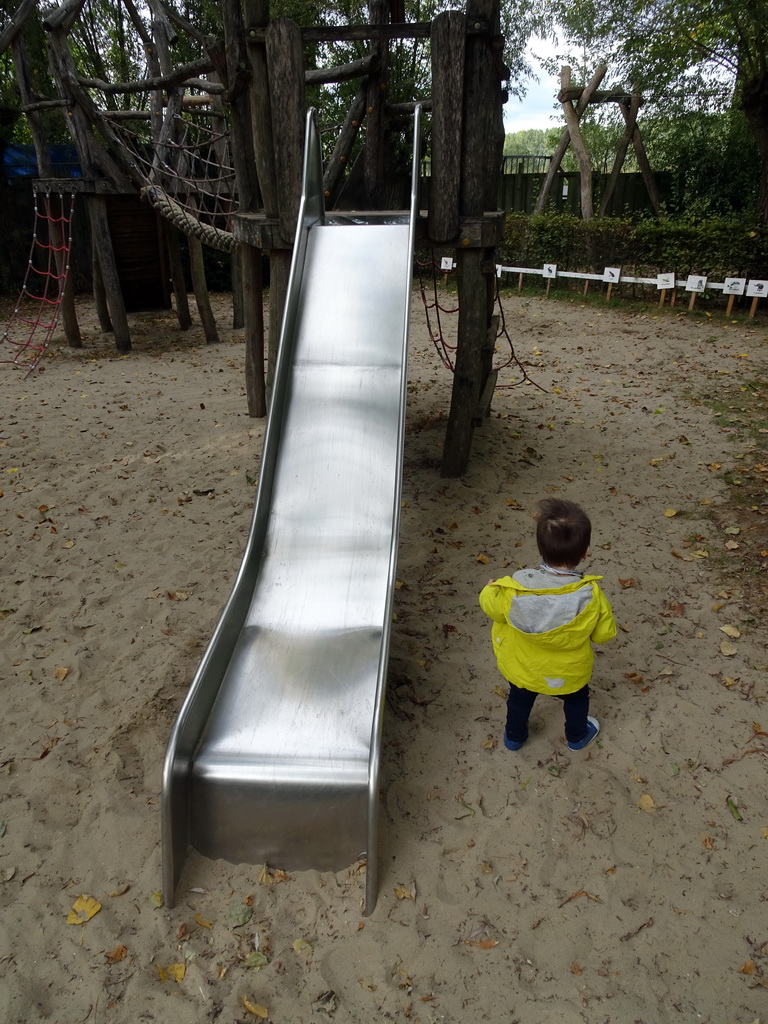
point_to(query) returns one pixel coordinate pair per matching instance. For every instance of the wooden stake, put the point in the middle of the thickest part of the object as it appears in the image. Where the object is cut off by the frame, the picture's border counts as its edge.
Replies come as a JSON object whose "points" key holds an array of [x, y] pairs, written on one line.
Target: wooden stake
{"points": [[519, 282], [692, 302], [729, 307], [753, 307], [663, 296], [610, 290], [549, 284], [586, 286]]}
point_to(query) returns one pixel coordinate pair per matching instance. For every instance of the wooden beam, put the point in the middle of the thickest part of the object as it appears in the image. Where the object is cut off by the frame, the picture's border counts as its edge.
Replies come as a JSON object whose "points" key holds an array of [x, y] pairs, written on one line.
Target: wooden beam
{"points": [[621, 155], [16, 23], [447, 48], [565, 139], [344, 72], [285, 63], [585, 166]]}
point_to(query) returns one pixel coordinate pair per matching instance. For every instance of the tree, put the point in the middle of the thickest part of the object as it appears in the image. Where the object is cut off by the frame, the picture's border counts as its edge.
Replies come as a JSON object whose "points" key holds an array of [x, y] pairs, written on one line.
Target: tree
{"points": [[703, 55]]}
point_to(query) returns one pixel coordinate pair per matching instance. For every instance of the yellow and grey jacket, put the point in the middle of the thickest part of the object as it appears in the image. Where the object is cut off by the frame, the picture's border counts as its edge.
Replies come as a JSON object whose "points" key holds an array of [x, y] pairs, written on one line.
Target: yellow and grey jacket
{"points": [[543, 636]]}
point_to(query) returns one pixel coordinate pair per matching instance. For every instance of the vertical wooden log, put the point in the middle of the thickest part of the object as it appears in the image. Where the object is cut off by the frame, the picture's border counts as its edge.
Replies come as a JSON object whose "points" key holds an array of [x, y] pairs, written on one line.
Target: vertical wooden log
{"points": [[253, 309], [621, 155], [257, 16], [585, 166], [467, 373], [565, 139], [483, 143], [643, 162], [236, 273], [200, 288], [177, 276], [448, 41], [106, 257], [373, 154], [238, 71], [285, 62], [99, 292]]}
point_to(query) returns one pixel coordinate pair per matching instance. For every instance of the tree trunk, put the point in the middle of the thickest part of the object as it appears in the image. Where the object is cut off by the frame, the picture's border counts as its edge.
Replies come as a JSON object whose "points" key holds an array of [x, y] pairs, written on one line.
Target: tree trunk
{"points": [[754, 103]]}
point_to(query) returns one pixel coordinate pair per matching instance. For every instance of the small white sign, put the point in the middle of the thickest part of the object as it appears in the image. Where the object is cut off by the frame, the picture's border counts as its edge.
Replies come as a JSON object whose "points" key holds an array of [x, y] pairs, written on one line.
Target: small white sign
{"points": [[550, 270], [757, 289], [695, 283], [734, 285], [446, 263], [612, 275], [665, 281]]}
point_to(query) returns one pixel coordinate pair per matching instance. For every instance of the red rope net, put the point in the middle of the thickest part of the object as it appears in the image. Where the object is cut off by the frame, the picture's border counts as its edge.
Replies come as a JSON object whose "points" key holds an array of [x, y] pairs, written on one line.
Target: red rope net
{"points": [[435, 310], [36, 314]]}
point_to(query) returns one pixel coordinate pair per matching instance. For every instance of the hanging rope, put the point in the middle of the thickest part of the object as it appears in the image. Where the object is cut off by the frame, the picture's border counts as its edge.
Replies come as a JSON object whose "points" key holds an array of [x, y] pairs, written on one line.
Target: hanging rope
{"points": [[186, 222], [36, 316], [434, 310]]}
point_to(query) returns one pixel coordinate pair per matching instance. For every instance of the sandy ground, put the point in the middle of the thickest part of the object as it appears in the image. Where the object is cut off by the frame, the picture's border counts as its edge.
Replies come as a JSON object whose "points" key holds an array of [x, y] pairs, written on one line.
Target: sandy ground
{"points": [[626, 883]]}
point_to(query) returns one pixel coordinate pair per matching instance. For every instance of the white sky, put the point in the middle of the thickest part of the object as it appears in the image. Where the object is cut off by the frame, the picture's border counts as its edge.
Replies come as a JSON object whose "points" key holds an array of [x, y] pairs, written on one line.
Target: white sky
{"points": [[537, 110]]}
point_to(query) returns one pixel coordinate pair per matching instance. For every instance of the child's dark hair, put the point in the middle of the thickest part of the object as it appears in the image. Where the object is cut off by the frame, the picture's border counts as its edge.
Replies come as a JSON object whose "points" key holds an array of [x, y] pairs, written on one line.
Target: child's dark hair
{"points": [[563, 532]]}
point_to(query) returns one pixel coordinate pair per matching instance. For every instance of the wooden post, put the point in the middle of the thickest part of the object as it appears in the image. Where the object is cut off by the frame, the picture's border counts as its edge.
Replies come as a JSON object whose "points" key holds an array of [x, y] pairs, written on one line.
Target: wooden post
{"points": [[171, 235], [621, 154], [99, 292], [729, 307], [257, 16], [753, 307], [565, 138], [483, 141], [285, 62], [200, 288], [106, 257], [448, 41], [250, 259], [642, 160], [585, 167], [373, 153]]}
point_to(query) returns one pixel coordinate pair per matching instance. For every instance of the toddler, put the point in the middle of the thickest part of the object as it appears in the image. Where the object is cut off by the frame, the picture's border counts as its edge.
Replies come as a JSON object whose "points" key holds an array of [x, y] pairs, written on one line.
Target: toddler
{"points": [[545, 621]]}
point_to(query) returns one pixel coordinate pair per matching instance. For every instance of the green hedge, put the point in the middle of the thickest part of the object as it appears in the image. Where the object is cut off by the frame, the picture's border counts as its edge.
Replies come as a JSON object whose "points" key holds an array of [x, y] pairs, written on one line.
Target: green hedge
{"points": [[718, 247]]}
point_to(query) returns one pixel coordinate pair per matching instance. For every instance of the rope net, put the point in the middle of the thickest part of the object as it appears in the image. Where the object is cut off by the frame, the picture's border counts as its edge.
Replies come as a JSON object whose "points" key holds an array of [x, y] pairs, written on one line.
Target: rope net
{"points": [[188, 175], [429, 272], [36, 314]]}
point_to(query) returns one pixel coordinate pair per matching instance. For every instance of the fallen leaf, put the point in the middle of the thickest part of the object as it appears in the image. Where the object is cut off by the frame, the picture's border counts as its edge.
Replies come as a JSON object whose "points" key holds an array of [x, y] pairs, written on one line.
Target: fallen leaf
{"points": [[733, 808], [201, 922], [61, 672], [645, 803], [748, 967], [120, 892], [403, 892], [484, 559], [575, 969], [731, 631], [733, 530], [238, 915], [732, 545], [490, 744], [83, 909], [669, 512], [626, 584], [500, 691], [177, 972], [255, 1008], [634, 677], [300, 946], [118, 953], [256, 960], [727, 648], [483, 943], [156, 899]]}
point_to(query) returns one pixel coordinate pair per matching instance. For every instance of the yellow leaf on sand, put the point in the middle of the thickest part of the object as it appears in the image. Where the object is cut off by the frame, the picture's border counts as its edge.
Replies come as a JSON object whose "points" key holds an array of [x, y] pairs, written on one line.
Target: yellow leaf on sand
{"points": [[176, 971], [255, 1008], [201, 922], [732, 631], [764, 833], [301, 946], [645, 803], [501, 691], [61, 672], [403, 892], [748, 967], [156, 899], [669, 512], [83, 909], [483, 558], [483, 943], [727, 648], [118, 953]]}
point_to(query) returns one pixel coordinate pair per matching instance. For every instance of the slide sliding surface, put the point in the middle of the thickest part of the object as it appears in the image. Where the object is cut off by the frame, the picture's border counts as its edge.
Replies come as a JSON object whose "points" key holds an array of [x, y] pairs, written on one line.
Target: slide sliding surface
{"points": [[274, 757]]}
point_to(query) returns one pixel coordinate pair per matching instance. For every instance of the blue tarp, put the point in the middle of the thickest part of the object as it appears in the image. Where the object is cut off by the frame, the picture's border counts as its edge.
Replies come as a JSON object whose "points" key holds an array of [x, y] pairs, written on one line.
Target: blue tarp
{"points": [[19, 161]]}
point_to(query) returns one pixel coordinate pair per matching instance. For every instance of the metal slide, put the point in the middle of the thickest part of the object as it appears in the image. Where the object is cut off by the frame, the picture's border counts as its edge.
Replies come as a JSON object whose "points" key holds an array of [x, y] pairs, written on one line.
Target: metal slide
{"points": [[274, 756]]}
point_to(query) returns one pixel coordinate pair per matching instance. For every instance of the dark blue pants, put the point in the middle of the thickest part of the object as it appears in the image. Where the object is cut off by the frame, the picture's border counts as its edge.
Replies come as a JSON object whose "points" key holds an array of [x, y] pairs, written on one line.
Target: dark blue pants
{"points": [[520, 703]]}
